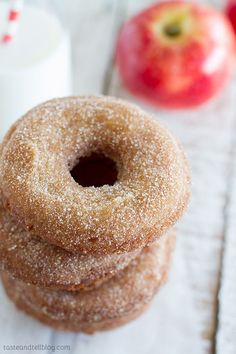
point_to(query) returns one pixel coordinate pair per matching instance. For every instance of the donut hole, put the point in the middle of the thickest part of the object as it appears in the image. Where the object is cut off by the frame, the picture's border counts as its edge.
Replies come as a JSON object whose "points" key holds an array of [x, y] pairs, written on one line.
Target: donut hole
{"points": [[95, 170]]}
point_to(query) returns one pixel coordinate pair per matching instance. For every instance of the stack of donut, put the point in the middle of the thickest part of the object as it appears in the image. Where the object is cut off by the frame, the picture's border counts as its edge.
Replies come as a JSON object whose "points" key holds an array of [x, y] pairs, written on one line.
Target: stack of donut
{"points": [[90, 190]]}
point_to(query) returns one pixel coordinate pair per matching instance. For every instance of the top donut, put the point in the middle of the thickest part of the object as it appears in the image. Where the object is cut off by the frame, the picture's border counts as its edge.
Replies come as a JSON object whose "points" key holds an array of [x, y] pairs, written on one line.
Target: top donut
{"points": [[149, 190]]}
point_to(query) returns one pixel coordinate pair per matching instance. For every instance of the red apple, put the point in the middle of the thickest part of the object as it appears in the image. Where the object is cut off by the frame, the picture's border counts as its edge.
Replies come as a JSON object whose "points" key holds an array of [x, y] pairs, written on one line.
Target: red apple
{"points": [[231, 12], [176, 54]]}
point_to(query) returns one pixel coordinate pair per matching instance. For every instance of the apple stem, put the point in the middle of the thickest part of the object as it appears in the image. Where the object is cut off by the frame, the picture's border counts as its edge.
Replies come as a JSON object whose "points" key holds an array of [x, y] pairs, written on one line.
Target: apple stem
{"points": [[172, 30]]}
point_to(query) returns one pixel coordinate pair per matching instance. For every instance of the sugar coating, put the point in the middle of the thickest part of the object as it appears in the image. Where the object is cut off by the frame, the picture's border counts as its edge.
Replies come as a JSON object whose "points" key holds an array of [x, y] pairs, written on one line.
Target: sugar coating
{"points": [[149, 196], [37, 262], [123, 295]]}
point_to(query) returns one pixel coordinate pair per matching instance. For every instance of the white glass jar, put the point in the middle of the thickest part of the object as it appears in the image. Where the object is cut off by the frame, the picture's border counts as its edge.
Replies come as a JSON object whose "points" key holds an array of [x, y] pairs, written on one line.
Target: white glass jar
{"points": [[35, 66]]}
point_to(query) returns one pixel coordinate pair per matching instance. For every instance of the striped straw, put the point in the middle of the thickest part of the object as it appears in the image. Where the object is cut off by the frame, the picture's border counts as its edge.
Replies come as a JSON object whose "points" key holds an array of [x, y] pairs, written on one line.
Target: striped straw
{"points": [[12, 20]]}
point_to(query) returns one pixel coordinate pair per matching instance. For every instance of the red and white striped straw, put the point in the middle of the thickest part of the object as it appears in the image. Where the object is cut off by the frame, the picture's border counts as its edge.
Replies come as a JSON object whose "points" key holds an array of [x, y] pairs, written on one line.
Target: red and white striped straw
{"points": [[12, 20]]}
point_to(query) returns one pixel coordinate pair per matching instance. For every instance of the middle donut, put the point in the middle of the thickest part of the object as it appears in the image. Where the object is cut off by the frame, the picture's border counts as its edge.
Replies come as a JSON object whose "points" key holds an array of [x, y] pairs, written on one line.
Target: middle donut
{"points": [[37, 262]]}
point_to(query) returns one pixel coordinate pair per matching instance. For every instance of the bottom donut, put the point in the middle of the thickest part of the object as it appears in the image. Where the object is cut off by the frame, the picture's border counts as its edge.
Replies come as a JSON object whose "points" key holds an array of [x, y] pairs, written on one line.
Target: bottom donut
{"points": [[116, 302]]}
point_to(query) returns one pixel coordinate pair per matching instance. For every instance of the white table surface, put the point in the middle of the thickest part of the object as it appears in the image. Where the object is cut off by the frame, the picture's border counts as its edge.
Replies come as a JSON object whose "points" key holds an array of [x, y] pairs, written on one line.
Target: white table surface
{"points": [[195, 312]]}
